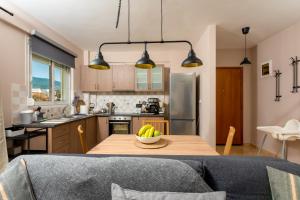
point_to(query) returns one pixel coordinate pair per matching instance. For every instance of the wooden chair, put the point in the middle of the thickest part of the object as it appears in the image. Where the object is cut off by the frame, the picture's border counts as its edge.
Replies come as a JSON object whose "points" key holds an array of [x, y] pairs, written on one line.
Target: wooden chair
{"points": [[82, 139], [160, 125], [229, 141]]}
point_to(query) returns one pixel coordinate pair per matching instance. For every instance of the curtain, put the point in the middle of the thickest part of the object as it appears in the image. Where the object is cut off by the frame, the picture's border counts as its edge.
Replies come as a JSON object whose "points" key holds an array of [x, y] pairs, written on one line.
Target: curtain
{"points": [[3, 148]]}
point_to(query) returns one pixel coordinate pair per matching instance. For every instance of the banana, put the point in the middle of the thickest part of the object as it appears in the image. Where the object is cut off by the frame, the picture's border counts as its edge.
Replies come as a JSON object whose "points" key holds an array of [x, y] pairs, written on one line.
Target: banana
{"points": [[151, 131], [144, 129], [147, 133]]}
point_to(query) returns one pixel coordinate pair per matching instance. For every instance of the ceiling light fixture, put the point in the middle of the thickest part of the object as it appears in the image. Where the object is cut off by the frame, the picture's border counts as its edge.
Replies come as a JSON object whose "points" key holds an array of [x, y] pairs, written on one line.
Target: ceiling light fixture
{"points": [[245, 61], [145, 62]]}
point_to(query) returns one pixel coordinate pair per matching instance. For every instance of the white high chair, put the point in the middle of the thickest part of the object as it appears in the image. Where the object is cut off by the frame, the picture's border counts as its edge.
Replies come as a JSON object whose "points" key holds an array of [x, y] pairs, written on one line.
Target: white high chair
{"points": [[290, 132]]}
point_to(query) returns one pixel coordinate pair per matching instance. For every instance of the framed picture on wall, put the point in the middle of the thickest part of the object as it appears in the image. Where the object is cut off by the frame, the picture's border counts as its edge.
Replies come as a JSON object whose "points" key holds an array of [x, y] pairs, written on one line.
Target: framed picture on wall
{"points": [[266, 69]]}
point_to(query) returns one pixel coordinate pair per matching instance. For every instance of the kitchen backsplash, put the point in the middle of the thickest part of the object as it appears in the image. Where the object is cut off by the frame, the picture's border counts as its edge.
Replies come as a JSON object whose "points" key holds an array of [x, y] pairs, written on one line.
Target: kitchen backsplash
{"points": [[124, 103]]}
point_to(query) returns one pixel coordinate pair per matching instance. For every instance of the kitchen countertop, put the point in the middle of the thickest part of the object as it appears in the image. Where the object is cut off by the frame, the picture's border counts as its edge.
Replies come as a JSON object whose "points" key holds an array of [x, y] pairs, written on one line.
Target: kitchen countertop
{"points": [[81, 117]]}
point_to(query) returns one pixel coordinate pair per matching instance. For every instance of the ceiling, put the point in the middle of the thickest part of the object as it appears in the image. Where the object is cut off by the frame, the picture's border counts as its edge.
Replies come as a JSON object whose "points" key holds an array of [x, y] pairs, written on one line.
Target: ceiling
{"points": [[89, 23]]}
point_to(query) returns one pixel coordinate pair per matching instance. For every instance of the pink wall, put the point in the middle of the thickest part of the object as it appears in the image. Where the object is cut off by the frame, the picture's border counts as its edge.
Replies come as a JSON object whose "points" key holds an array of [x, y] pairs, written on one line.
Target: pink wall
{"points": [[232, 58], [13, 53], [278, 48]]}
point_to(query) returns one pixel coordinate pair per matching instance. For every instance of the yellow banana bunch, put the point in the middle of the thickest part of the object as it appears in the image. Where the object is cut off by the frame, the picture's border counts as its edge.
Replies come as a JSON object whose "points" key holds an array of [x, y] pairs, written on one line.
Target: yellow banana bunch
{"points": [[144, 129], [151, 131]]}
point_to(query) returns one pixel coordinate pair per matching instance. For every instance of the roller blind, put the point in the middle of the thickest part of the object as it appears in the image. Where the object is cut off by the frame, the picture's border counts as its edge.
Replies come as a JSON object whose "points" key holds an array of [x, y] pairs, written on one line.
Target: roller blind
{"points": [[46, 49]]}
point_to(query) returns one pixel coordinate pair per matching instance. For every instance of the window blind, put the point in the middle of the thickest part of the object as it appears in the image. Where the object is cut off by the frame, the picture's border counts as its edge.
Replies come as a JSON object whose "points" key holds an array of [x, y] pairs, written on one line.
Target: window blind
{"points": [[46, 49]]}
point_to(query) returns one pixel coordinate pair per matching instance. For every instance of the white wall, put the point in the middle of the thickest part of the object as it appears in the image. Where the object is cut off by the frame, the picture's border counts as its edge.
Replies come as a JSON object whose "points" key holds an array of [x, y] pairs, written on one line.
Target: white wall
{"points": [[278, 48]]}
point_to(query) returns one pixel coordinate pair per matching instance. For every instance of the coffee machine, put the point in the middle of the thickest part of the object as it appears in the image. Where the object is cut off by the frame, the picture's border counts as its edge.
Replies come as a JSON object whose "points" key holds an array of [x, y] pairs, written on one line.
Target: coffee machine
{"points": [[152, 105]]}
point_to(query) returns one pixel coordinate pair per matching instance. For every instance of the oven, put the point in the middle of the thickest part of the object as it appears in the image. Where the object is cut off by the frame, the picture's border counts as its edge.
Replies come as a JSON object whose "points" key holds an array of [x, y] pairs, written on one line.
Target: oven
{"points": [[119, 125]]}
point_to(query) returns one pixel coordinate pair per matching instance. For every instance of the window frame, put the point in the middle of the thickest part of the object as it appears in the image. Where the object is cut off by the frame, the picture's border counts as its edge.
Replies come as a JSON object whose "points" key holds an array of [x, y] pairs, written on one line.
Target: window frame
{"points": [[52, 65]]}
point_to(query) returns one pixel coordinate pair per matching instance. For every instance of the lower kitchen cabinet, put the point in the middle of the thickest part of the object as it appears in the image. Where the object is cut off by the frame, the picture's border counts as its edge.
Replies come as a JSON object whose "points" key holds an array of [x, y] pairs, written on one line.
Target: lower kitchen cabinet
{"points": [[103, 129], [91, 132], [75, 146], [137, 122], [65, 138]]}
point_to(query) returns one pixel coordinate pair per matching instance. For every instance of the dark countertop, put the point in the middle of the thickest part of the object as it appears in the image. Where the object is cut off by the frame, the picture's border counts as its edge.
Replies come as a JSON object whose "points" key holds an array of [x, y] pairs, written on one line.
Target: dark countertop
{"points": [[81, 117]]}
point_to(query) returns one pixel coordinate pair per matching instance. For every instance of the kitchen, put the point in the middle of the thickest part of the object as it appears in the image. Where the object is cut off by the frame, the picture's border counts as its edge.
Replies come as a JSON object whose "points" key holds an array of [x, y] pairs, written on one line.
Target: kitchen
{"points": [[123, 84]]}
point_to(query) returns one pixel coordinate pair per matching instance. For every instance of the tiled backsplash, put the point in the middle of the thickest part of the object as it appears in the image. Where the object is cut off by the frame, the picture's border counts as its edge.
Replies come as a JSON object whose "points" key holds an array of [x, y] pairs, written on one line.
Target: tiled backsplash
{"points": [[124, 103], [19, 95]]}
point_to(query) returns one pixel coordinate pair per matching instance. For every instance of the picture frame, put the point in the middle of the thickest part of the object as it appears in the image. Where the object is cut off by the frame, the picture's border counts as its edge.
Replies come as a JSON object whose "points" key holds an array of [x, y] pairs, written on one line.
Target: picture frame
{"points": [[266, 69]]}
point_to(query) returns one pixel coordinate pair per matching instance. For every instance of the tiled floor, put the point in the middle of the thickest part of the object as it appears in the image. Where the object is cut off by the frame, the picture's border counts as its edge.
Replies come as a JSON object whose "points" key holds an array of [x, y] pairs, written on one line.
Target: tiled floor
{"points": [[244, 150]]}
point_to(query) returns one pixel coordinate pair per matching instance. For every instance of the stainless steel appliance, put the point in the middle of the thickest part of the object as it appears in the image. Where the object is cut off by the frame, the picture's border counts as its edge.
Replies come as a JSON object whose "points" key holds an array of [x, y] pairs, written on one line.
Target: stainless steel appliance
{"points": [[153, 105], [119, 125], [183, 103]]}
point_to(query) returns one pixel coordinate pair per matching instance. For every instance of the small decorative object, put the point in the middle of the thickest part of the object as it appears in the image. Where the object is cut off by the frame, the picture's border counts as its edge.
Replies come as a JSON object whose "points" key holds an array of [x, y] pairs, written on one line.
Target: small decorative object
{"points": [[277, 77], [266, 69], [294, 63]]}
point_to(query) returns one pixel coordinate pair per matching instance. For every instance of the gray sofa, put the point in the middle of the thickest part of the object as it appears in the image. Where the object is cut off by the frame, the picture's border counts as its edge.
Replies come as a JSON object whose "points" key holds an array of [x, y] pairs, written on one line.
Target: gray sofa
{"points": [[90, 176]]}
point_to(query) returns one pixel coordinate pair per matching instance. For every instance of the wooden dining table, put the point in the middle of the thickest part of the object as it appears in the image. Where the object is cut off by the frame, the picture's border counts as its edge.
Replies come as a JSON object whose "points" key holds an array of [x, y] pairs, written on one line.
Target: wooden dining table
{"points": [[177, 145]]}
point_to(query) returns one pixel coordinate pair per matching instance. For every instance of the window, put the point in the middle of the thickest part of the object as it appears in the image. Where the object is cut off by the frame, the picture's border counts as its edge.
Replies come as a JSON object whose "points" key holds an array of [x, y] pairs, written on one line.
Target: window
{"points": [[50, 81]]}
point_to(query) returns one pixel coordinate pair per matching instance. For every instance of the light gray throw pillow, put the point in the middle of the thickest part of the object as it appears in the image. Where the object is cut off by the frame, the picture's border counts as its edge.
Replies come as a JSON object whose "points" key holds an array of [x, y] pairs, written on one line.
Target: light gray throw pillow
{"points": [[15, 183], [118, 193]]}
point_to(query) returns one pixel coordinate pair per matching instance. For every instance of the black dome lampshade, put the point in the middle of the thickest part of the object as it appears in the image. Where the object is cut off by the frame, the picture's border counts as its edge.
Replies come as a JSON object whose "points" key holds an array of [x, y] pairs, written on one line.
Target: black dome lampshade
{"points": [[192, 60], [245, 61], [145, 62], [99, 63]]}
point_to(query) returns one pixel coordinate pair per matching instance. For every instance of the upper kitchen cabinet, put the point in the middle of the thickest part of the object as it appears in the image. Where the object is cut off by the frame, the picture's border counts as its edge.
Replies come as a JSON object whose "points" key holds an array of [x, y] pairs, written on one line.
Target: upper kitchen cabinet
{"points": [[149, 79], [89, 79], [93, 80], [123, 78]]}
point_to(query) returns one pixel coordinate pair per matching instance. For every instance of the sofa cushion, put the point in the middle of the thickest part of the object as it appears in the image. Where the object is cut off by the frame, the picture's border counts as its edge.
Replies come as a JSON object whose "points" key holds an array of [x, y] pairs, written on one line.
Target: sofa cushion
{"points": [[243, 177], [283, 185], [119, 193], [15, 183], [68, 177]]}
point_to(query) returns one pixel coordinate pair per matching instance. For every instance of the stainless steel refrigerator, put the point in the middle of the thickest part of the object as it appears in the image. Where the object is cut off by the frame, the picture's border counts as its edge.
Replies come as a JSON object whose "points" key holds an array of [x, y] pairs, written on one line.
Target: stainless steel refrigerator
{"points": [[183, 104]]}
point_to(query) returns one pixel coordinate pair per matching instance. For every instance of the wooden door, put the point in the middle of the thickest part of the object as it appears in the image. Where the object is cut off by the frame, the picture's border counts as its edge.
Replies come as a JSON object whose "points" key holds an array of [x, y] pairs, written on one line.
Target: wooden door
{"points": [[91, 132], [123, 78], [229, 103], [103, 129], [104, 81], [88, 79]]}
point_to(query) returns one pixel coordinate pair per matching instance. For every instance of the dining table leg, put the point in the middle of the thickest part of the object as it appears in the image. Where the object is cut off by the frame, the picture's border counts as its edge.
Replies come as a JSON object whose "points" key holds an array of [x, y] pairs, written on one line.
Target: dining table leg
{"points": [[262, 144]]}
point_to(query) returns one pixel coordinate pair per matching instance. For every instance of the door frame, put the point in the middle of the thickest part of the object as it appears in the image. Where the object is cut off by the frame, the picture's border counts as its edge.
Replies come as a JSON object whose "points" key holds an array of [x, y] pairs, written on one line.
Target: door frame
{"points": [[242, 98]]}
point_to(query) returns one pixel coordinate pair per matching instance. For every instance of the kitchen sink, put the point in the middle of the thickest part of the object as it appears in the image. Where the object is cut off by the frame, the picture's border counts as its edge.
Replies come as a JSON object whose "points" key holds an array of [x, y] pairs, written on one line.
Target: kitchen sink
{"points": [[56, 121]]}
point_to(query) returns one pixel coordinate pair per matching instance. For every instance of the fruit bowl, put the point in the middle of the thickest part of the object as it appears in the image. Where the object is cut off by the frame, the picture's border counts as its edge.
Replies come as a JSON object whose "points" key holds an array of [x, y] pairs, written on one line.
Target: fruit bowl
{"points": [[148, 140]]}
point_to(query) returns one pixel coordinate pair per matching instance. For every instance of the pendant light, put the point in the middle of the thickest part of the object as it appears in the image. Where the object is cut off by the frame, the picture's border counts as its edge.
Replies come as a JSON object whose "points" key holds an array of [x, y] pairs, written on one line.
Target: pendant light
{"points": [[145, 62], [192, 60], [99, 63], [245, 61]]}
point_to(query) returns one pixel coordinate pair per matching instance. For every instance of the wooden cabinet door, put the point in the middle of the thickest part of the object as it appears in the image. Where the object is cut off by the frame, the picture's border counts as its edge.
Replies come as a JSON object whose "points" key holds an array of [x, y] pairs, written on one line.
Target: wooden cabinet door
{"points": [[88, 79], [103, 129], [91, 132], [141, 79], [123, 78], [229, 103], [136, 124], [75, 146], [59, 139], [157, 78], [104, 81]]}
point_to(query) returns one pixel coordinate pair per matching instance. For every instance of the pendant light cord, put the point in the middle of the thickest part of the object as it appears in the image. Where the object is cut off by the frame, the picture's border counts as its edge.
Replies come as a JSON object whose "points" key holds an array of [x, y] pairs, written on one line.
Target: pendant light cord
{"points": [[245, 45], [119, 11], [161, 21]]}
